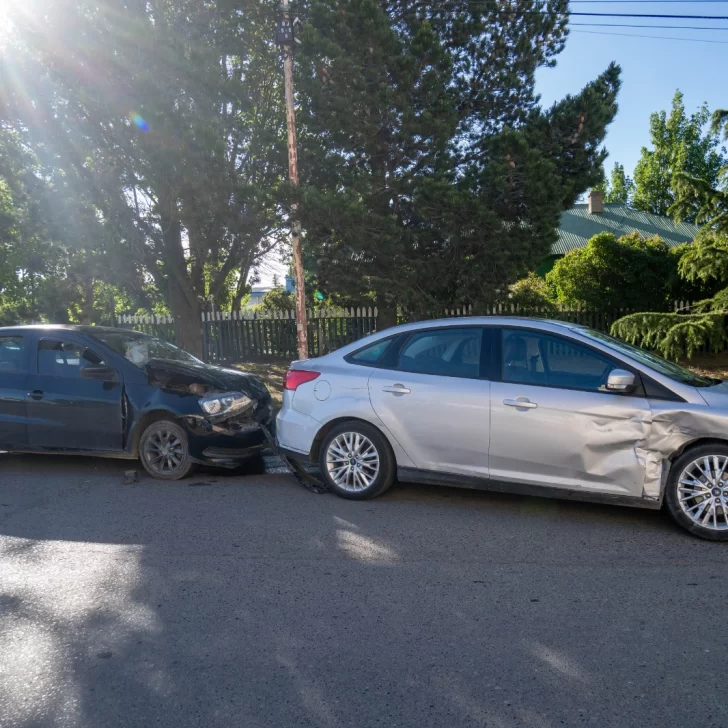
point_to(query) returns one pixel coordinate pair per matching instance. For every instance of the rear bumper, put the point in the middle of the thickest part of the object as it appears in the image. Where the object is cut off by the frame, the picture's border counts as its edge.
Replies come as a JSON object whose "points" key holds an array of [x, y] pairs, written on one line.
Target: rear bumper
{"points": [[301, 457], [295, 432]]}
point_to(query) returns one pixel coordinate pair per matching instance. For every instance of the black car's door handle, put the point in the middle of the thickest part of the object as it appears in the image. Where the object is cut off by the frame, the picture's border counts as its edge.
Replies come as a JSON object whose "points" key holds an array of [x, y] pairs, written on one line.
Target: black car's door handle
{"points": [[36, 394]]}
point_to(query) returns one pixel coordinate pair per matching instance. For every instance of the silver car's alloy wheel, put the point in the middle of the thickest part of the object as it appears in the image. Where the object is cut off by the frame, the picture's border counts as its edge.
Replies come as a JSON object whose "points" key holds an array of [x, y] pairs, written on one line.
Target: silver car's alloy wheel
{"points": [[164, 452], [352, 461], [703, 492]]}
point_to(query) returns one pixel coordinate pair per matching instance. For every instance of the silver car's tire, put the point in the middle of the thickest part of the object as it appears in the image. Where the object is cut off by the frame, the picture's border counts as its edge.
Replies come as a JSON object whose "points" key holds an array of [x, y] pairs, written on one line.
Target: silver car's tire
{"points": [[163, 451], [697, 491], [356, 461]]}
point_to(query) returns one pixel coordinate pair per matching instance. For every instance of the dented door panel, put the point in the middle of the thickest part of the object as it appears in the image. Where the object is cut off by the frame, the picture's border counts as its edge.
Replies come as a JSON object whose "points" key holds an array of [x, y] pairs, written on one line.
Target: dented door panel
{"points": [[589, 441]]}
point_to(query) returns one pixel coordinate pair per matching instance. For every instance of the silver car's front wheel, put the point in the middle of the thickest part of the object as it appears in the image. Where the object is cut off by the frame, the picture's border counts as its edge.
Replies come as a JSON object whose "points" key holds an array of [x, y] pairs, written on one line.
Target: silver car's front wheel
{"points": [[697, 491], [356, 461], [703, 492]]}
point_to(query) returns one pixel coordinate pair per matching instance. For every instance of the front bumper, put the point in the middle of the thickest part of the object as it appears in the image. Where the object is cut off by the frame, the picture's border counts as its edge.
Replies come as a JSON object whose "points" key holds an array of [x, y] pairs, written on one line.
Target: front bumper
{"points": [[228, 443]]}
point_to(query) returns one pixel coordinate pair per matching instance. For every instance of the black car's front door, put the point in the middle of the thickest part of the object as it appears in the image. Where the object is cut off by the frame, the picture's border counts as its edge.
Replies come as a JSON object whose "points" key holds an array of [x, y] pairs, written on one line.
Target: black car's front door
{"points": [[65, 410], [13, 391]]}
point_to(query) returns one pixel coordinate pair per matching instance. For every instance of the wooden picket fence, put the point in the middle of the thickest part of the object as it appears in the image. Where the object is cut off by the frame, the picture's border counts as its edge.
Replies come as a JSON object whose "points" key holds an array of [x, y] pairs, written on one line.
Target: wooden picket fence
{"points": [[244, 335]]}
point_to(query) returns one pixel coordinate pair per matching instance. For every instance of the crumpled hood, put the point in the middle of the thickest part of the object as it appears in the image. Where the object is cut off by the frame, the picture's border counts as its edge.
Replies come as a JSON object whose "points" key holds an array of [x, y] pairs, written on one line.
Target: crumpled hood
{"points": [[716, 396], [226, 380]]}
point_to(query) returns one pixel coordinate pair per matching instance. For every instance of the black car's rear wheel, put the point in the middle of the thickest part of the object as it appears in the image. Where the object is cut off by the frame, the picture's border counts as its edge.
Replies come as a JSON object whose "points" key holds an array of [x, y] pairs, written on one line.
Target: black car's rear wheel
{"points": [[164, 452]]}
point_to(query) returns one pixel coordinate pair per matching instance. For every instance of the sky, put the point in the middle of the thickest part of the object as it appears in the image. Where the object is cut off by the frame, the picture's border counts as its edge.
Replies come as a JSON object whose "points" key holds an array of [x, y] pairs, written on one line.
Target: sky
{"points": [[652, 69]]}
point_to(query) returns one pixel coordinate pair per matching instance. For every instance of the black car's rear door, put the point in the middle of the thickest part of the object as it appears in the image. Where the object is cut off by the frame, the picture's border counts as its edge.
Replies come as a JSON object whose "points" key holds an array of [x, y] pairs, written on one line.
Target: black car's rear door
{"points": [[14, 351], [66, 411]]}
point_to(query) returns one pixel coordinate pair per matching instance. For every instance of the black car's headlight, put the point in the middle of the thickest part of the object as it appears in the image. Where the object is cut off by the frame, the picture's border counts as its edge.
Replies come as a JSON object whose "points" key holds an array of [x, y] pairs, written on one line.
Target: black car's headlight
{"points": [[225, 403]]}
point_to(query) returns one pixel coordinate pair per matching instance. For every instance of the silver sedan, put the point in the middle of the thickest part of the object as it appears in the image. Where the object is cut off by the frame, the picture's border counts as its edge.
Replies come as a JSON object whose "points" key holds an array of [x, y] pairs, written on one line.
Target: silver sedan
{"points": [[522, 405]]}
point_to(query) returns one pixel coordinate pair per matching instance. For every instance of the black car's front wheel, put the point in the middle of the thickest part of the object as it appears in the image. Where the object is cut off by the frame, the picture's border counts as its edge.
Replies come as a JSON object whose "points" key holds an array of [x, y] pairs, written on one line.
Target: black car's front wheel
{"points": [[163, 450]]}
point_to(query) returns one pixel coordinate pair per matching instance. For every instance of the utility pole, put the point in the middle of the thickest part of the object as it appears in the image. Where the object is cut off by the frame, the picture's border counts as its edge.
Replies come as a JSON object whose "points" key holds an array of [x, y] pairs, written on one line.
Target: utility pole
{"points": [[285, 39]]}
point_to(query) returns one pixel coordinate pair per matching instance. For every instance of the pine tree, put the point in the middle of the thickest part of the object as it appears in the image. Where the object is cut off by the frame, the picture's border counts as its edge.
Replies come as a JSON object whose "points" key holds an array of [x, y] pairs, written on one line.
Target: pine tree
{"points": [[431, 177]]}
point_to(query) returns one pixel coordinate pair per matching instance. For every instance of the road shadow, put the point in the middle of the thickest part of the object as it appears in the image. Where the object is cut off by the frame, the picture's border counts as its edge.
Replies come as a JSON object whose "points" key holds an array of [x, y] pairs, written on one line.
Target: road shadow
{"points": [[252, 602]]}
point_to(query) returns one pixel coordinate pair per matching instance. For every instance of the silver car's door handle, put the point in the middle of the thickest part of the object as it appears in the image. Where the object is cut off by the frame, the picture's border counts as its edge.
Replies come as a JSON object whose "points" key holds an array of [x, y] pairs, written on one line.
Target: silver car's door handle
{"points": [[521, 403], [396, 389]]}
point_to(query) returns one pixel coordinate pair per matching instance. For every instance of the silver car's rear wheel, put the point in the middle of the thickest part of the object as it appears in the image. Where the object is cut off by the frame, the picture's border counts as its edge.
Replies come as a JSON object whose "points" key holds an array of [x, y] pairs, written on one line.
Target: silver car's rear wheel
{"points": [[696, 493], [356, 461], [703, 492], [352, 461]]}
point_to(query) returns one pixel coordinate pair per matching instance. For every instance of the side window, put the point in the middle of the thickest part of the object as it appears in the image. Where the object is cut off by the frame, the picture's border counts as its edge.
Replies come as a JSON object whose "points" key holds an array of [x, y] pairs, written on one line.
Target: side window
{"points": [[371, 354], [530, 357], [12, 354], [452, 352], [65, 358]]}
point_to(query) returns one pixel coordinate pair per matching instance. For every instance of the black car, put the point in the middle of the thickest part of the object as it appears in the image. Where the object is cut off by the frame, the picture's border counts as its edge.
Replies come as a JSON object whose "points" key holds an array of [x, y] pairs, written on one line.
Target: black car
{"points": [[91, 390]]}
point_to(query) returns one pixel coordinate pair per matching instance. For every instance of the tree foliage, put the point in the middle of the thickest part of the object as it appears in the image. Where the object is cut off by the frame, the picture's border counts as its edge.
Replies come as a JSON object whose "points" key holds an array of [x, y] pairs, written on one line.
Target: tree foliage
{"points": [[431, 176], [705, 261], [533, 293], [277, 299], [618, 189], [167, 118], [609, 274], [680, 148]]}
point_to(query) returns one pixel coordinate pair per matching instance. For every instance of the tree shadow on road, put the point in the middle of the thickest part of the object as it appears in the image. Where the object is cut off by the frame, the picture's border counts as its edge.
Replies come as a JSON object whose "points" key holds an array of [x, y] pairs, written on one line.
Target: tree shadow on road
{"points": [[252, 602]]}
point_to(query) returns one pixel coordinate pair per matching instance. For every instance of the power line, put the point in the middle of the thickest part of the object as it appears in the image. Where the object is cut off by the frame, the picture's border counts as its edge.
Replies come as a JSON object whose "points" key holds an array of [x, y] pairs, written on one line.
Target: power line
{"points": [[657, 37], [641, 2], [628, 25], [644, 15]]}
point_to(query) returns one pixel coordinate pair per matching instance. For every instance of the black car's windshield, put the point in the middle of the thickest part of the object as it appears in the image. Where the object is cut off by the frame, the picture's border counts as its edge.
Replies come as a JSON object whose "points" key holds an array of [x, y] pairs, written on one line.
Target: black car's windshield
{"points": [[139, 349], [657, 363]]}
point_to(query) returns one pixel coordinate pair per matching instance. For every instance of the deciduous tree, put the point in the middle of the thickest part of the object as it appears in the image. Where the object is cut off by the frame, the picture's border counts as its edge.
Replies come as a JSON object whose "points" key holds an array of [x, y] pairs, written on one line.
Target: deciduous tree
{"points": [[680, 146]]}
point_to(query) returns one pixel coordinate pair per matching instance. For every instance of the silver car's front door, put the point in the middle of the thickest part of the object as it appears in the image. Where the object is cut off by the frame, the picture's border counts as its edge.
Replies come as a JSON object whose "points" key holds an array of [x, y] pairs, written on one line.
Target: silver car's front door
{"points": [[552, 426], [439, 415]]}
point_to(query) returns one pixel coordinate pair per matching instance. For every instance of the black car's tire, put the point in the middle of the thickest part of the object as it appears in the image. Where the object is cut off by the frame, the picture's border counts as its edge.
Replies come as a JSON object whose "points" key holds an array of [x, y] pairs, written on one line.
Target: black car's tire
{"points": [[163, 450], [347, 459], [702, 497]]}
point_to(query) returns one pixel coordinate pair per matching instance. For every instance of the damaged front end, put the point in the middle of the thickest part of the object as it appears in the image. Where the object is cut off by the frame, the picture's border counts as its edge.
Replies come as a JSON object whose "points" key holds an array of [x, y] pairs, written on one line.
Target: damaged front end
{"points": [[225, 412]]}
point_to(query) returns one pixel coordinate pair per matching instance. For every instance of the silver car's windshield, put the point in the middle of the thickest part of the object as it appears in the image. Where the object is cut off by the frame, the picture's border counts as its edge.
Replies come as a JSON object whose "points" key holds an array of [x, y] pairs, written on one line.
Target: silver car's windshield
{"points": [[139, 349], [653, 361]]}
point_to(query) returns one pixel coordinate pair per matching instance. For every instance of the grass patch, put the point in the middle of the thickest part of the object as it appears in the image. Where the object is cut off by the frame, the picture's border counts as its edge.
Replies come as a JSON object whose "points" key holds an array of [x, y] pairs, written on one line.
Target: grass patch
{"points": [[711, 365]]}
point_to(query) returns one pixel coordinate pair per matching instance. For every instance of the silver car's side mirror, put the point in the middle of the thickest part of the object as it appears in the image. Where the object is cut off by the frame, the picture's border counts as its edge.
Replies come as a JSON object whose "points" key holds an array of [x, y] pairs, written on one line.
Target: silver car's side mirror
{"points": [[620, 380]]}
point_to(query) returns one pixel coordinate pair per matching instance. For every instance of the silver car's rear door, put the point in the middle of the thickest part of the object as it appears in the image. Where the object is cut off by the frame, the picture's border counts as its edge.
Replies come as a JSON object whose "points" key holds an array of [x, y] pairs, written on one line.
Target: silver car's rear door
{"points": [[435, 404], [552, 426]]}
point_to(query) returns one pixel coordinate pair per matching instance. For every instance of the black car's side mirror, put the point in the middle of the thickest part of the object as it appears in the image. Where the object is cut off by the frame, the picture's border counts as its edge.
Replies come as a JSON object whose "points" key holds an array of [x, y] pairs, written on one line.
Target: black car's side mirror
{"points": [[103, 374]]}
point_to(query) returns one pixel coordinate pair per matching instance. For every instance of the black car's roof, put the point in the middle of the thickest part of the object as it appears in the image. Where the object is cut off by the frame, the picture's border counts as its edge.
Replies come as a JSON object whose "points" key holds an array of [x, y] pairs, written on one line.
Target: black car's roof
{"points": [[92, 330]]}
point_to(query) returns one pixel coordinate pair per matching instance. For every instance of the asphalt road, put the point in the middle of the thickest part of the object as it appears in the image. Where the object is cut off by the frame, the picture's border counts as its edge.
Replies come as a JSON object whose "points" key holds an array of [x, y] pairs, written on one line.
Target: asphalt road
{"points": [[251, 602]]}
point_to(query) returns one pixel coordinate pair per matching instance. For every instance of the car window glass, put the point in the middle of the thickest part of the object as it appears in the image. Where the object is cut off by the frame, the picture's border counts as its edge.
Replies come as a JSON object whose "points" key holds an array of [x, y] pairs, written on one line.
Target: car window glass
{"points": [[11, 354], [65, 358], [373, 353], [453, 352], [530, 357]]}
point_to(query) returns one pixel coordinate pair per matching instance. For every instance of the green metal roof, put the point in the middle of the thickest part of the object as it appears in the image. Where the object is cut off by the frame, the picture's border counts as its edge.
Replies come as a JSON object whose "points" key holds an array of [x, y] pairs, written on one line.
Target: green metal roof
{"points": [[577, 225]]}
